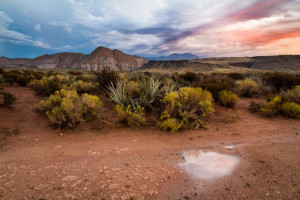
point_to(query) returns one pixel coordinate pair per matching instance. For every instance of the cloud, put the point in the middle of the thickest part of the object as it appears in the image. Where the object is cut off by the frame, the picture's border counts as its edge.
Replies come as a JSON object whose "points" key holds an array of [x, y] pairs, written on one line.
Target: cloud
{"points": [[38, 28], [156, 27], [17, 37], [257, 29], [67, 26]]}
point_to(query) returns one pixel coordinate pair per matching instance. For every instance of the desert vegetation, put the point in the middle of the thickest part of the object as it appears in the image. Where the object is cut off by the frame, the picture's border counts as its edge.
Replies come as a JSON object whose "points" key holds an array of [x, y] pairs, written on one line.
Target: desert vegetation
{"points": [[178, 101]]}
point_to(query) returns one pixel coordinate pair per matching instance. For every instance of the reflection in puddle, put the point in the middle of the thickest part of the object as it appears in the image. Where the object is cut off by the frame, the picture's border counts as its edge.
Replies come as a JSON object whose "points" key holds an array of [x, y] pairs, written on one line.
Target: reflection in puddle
{"points": [[207, 164]]}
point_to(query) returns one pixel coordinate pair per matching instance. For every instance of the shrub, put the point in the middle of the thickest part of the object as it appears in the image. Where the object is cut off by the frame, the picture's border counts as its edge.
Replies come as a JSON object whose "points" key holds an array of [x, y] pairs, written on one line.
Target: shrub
{"points": [[292, 95], [83, 87], [247, 87], [6, 98], [48, 85], [38, 75], [23, 80], [170, 124], [11, 76], [190, 106], [255, 107], [75, 73], [236, 76], [134, 118], [272, 108], [68, 109], [53, 73], [85, 78], [215, 86], [1, 71], [280, 80], [106, 77], [227, 98], [189, 77], [291, 109]]}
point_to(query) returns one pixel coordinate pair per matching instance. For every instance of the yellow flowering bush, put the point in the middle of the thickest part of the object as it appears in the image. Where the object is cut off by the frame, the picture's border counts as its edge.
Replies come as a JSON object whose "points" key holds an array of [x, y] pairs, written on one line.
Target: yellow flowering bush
{"points": [[228, 99], [134, 118], [67, 109], [186, 108]]}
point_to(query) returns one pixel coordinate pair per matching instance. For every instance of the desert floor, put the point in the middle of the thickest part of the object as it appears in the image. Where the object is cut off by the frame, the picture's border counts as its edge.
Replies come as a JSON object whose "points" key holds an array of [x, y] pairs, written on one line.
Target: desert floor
{"points": [[96, 162]]}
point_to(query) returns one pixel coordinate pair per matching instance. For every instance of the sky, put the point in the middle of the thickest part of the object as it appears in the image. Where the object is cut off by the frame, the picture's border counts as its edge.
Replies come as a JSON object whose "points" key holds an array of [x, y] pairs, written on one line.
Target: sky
{"points": [[206, 28]]}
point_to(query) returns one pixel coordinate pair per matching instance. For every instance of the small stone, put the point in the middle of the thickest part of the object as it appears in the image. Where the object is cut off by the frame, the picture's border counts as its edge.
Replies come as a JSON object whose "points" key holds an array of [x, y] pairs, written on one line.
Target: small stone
{"points": [[105, 167]]}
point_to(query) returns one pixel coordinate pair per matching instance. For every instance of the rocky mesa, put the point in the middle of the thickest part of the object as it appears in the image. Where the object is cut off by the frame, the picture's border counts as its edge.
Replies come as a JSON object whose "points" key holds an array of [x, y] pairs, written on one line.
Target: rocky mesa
{"points": [[100, 58]]}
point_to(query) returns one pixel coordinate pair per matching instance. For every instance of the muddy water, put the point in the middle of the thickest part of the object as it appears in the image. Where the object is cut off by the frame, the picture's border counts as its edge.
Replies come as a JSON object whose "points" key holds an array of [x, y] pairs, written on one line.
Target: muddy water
{"points": [[207, 164]]}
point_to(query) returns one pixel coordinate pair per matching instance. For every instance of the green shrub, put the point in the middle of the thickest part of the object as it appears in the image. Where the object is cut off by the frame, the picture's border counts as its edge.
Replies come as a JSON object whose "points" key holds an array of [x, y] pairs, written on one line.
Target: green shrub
{"points": [[48, 85], [134, 118], [227, 98], [190, 106], [2, 70], [68, 109], [290, 110], [247, 88]]}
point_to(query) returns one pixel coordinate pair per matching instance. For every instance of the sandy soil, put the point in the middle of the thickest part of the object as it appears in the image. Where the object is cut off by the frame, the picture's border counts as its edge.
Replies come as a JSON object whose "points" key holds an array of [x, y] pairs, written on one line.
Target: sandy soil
{"points": [[37, 162]]}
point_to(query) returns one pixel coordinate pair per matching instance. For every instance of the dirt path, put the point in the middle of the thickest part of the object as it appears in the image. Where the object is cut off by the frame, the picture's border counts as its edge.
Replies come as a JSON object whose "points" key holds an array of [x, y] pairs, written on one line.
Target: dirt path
{"points": [[37, 162]]}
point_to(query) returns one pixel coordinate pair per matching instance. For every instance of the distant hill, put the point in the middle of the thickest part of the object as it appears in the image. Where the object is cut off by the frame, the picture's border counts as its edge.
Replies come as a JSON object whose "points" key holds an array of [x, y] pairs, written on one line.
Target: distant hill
{"points": [[227, 64], [13, 61], [175, 56], [101, 57]]}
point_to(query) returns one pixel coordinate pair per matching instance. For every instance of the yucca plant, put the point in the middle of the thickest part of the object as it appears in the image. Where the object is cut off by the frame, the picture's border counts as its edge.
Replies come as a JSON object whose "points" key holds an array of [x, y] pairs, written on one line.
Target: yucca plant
{"points": [[120, 94]]}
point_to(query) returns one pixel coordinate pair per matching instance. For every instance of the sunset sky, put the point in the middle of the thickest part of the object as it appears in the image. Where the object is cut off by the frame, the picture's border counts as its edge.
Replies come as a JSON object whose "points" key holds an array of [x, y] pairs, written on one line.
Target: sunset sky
{"points": [[208, 28]]}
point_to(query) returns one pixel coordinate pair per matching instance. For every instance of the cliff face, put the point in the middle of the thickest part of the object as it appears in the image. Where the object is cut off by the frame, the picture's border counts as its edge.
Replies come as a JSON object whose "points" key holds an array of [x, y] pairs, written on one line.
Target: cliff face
{"points": [[97, 60]]}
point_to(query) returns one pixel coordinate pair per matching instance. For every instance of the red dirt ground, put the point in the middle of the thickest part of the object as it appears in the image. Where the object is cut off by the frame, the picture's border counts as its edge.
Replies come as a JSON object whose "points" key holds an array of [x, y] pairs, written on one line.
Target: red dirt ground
{"points": [[38, 162]]}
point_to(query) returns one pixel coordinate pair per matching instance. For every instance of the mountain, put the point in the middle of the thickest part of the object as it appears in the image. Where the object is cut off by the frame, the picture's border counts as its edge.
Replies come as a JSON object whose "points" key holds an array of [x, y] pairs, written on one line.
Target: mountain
{"points": [[175, 56], [101, 57], [287, 63]]}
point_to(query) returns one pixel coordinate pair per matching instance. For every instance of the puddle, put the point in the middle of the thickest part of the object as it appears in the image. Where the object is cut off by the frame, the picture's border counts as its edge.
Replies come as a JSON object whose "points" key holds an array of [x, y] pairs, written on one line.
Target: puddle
{"points": [[208, 164]]}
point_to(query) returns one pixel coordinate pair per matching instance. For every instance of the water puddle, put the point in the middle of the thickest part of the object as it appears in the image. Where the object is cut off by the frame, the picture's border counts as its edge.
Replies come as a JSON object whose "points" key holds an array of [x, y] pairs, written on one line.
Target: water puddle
{"points": [[207, 164]]}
